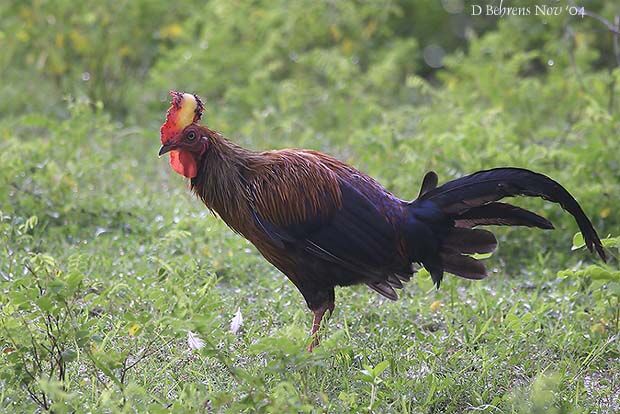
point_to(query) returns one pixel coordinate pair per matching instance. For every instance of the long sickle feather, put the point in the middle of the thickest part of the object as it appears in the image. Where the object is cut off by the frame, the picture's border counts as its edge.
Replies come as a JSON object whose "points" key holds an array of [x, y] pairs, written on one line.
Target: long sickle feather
{"points": [[463, 194]]}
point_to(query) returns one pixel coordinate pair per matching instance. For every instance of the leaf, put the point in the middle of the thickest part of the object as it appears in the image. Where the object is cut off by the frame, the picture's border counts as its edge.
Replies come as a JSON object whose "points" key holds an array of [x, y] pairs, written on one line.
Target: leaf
{"points": [[601, 273], [366, 374], [236, 322], [194, 342], [73, 281], [380, 367], [31, 223], [370, 374], [107, 363], [595, 272], [45, 303], [133, 329], [578, 241], [611, 242]]}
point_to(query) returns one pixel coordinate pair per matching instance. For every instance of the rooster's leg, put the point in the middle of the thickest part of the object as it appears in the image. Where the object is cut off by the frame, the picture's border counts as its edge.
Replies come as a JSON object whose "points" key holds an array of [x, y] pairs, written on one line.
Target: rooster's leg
{"points": [[316, 323]]}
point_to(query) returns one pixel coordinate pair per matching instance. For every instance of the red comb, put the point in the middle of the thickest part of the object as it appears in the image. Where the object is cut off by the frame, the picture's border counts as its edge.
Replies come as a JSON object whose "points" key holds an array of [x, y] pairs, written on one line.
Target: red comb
{"points": [[183, 111]]}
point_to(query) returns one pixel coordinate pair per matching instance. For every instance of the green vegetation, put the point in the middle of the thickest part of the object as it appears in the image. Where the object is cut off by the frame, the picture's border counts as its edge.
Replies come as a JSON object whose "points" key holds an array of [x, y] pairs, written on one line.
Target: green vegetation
{"points": [[107, 262]]}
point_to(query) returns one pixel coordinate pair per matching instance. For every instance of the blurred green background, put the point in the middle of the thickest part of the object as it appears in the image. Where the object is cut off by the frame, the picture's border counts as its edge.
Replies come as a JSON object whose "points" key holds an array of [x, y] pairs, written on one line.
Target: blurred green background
{"points": [[394, 88]]}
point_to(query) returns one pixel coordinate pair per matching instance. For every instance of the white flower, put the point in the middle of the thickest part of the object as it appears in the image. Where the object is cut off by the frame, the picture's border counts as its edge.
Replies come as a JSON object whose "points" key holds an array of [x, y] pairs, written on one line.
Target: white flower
{"points": [[237, 322], [194, 342]]}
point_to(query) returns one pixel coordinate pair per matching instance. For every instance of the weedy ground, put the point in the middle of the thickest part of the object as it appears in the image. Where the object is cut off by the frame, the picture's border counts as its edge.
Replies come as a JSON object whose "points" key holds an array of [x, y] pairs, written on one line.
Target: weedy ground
{"points": [[102, 285], [108, 263]]}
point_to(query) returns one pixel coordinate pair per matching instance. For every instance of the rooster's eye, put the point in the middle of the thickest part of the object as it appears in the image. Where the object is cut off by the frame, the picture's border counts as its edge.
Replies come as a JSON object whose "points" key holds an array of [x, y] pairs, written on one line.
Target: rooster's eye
{"points": [[191, 136]]}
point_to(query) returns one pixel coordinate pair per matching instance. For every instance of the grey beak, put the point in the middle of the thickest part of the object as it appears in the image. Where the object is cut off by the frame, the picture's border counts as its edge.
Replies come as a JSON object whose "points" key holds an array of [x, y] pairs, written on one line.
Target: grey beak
{"points": [[165, 148]]}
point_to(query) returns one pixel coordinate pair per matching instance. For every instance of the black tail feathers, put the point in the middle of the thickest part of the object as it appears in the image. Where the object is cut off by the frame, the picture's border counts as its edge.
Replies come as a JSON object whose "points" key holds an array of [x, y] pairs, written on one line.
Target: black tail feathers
{"points": [[471, 201], [501, 214], [469, 241], [455, 248], [429, 182]]}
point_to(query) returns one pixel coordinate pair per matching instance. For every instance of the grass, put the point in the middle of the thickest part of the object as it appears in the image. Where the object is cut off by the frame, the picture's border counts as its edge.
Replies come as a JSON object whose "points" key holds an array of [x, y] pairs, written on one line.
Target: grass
{"points": [[141, 263], [108, 263]]}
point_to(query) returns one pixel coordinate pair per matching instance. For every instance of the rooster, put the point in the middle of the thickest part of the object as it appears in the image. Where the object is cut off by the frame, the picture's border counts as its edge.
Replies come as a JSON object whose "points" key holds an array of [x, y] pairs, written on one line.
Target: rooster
{"points": [[325, 224]]}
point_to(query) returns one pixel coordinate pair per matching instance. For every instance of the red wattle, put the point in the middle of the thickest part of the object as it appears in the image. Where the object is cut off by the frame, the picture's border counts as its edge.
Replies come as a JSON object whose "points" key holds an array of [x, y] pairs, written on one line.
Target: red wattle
{"points": [[183, 162]]}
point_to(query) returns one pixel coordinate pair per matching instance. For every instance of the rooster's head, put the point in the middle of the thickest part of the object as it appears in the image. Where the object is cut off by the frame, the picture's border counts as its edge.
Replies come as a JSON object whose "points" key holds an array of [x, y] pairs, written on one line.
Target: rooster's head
{"points": [[181, 136]]}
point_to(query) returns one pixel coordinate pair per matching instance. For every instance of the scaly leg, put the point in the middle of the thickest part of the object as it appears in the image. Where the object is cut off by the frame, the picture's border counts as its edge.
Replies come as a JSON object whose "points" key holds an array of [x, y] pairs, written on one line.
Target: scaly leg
{"points": [[316, 323]]}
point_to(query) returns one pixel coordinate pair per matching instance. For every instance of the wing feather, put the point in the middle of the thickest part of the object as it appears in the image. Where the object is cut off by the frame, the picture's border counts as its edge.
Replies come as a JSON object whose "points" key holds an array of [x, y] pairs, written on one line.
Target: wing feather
{"points": [[331, 215]]}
